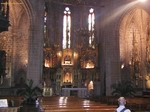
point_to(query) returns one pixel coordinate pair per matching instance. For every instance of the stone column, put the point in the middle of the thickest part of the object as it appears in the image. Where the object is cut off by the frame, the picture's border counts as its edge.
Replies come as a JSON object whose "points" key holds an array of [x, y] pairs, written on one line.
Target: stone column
{"points": [[35, 60], [109, 46]]}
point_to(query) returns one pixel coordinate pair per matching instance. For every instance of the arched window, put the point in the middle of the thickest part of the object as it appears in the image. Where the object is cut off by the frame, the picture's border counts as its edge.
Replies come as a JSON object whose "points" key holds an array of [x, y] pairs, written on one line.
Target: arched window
{"points": [[66, 28], [91, 27]]}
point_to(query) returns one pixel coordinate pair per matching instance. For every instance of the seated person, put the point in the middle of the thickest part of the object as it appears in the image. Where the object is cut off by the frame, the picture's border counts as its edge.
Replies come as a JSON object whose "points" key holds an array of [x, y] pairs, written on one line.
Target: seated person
{"points": [[122, 103]]}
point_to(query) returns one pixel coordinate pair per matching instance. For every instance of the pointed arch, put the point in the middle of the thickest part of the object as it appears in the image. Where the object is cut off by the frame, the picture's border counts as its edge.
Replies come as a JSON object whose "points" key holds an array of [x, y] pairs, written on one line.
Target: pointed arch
{"points": [[132, 44]]}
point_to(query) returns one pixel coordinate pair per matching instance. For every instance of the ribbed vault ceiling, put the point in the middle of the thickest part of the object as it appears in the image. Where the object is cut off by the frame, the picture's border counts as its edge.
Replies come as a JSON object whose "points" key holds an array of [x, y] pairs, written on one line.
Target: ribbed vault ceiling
{"points": [[80, 2]]}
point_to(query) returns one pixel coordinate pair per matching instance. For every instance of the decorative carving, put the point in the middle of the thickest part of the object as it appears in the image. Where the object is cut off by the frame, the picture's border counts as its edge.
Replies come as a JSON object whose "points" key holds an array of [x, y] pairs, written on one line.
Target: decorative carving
{"points": [[135, 59], [67, 59], [67, 75], [148, 49], [89, 58]]}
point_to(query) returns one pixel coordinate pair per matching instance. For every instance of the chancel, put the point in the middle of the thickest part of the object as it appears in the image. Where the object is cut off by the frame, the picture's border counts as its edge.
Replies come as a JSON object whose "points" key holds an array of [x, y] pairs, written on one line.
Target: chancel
{"points": [[75, 48]]}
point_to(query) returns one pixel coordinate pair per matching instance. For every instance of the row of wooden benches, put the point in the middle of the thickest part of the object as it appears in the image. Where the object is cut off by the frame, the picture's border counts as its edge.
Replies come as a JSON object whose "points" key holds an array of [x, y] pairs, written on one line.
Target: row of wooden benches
{"points": [[73, 104], [102, 104], [14, 103], [134, 103]]}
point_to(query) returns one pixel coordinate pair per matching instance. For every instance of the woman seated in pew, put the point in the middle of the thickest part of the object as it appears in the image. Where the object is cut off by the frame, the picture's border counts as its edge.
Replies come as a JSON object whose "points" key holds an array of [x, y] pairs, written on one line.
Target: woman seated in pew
{"points": [[122, 103]]}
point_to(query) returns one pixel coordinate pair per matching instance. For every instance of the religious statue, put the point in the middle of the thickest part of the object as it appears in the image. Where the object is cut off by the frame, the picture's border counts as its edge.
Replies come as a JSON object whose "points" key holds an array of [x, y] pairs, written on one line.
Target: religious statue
{"points": [[67, 59], [137, 67]]}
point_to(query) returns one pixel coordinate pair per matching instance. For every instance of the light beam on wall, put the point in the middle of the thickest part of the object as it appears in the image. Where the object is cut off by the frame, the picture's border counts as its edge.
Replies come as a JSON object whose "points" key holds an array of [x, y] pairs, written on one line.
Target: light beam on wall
{"points": [[142, 0]]}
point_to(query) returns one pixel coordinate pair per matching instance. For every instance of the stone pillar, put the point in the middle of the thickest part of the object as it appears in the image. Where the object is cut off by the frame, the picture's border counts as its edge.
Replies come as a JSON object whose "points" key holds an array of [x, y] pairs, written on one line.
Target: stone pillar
{"points": [[109, 48], [35, 60]]}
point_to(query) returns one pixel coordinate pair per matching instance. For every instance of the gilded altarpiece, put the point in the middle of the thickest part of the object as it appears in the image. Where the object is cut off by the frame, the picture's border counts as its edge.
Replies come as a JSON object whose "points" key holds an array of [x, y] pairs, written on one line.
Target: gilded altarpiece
{"points": [[135, 56], [70, 69]]}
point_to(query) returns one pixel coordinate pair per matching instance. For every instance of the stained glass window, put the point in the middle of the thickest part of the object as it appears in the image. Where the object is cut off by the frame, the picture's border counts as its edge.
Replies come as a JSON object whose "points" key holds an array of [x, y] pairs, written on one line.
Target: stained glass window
{"points": [[91, 26], [66, 28]]}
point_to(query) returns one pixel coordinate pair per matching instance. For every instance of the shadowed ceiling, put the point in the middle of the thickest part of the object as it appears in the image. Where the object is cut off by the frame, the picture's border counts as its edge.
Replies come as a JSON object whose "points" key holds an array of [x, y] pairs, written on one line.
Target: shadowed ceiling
{"points": [[81, 2]]}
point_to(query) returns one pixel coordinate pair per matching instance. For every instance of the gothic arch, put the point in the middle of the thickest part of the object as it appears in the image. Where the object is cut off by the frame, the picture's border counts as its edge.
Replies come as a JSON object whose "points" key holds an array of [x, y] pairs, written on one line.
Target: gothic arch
{"points": [[29, 10], [16, 44], [132, 42], [139, 20]]}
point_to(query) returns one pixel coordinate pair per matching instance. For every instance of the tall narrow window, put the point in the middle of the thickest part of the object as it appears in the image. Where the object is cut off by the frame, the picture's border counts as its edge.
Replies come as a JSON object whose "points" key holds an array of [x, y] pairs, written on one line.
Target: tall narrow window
{"points": [[66, 28], [91, 27], [45, 27], [47, 59]]}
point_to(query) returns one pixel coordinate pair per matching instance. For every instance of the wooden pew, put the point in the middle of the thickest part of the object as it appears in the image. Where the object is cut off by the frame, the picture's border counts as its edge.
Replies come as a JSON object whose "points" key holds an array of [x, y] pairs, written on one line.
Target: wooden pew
{"points": [[138, 103], [133, 103], [9, 109], [73, 104], [14, 103], [17, 100]]}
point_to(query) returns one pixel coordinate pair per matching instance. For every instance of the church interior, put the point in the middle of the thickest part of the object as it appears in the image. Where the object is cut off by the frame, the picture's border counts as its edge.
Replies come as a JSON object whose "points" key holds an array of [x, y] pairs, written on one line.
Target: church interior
{"points": [[74, 47]]}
